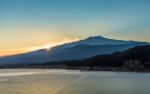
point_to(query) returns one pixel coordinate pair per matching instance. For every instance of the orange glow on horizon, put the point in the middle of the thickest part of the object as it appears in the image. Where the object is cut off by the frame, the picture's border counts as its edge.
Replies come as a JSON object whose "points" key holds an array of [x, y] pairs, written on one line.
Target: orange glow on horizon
{"points": [[13, 51], [6, 52]]}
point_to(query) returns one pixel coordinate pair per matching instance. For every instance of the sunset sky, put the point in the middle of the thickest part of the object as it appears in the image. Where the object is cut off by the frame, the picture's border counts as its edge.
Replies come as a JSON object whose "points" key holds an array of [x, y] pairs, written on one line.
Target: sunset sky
{"points": [[27, 25]]}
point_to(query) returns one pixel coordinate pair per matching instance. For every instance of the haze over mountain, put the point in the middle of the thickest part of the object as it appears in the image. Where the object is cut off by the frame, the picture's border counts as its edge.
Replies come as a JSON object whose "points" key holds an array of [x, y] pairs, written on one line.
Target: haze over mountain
{"points": [[78, 50]]}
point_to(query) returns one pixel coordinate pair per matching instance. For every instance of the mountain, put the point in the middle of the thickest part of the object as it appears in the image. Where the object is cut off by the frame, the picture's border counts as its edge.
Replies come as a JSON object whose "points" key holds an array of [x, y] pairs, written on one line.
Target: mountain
{"points": [[72, 51], [96, 40], [133, 59]]}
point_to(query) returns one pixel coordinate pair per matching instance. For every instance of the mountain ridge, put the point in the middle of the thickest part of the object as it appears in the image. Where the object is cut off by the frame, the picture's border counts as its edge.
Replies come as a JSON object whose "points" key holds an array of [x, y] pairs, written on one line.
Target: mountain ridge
{"points": [[73, 51], [99, 38]]}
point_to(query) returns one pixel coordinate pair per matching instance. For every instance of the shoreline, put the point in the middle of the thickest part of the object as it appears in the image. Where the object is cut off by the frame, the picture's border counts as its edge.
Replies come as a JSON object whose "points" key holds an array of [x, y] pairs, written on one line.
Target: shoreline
{"points": [[74, 70]]}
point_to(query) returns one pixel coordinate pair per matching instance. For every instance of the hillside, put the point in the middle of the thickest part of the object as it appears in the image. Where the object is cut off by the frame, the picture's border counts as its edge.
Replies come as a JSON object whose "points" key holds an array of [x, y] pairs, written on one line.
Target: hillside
{"points": [[134, 59]]}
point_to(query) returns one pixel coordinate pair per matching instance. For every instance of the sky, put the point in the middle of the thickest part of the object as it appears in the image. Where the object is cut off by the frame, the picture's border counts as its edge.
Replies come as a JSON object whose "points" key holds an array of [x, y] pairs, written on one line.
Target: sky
{"points": [[27, 25]]}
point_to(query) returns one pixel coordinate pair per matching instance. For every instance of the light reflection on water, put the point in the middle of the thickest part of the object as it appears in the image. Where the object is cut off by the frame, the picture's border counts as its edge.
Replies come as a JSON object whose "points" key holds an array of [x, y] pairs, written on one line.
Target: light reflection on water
{"points": [[72, 82]]}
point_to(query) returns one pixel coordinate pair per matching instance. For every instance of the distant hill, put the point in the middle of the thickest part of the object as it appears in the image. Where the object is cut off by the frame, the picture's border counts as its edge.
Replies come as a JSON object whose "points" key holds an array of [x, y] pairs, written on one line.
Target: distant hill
{"points": [[78, 50], [139, 53]]}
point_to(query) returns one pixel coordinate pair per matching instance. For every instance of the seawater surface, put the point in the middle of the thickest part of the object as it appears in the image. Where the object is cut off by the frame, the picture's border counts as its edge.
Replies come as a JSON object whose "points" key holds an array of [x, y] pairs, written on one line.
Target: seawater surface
{"points": [[47, 81]]}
